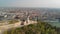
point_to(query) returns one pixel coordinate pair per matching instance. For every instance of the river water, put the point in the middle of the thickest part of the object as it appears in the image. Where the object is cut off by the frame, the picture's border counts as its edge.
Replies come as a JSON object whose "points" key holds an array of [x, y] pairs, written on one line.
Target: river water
{"points": [[54, 23], [57, 24]]}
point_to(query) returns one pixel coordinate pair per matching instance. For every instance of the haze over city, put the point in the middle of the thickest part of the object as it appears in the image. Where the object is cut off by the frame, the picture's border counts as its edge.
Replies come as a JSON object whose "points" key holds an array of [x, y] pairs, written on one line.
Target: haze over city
{"points": [[30, 3]]}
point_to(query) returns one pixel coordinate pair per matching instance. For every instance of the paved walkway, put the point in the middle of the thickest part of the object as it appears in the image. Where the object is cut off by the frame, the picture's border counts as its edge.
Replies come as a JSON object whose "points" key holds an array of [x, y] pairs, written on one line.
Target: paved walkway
{"points": [[6, 27]]}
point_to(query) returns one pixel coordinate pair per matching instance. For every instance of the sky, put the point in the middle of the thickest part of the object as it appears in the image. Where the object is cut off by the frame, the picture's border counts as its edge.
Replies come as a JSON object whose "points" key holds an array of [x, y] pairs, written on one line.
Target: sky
{"points": [[30, 3]]}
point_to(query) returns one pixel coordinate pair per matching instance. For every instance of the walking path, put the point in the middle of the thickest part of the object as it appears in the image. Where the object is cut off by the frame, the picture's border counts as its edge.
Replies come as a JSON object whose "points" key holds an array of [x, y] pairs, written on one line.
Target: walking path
{"points": [[9, 26]]}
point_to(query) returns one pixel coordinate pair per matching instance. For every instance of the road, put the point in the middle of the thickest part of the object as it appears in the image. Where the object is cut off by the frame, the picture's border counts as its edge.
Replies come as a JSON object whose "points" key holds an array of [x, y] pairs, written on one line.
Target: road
{"points": [[9, 26]]}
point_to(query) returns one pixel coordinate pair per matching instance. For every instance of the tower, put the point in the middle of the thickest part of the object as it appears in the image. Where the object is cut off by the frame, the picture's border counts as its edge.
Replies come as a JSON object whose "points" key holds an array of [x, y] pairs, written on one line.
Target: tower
{"points": [[28, 18], [27, 21]]}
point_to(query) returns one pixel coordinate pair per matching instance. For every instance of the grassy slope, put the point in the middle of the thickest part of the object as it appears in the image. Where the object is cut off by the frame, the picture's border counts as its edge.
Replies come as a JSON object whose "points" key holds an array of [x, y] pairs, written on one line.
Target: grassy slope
{"points": [[39, 28]]}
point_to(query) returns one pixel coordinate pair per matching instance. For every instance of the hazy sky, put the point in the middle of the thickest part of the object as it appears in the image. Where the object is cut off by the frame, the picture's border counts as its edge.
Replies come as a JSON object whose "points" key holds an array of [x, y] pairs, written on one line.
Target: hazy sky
{"points": [[30, 3]]}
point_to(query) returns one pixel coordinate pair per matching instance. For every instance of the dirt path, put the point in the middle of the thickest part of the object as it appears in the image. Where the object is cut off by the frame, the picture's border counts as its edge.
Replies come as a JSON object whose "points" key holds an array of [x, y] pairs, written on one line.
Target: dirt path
{"points": [[6, 27]]}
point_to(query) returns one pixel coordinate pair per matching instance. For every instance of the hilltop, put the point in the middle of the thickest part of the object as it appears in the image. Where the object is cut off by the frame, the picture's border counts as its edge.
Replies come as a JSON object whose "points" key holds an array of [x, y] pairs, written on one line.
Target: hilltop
{"points": [[38, 28]]}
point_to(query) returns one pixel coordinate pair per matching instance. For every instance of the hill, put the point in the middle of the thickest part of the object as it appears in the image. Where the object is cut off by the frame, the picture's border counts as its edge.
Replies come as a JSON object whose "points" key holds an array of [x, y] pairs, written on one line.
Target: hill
{"points": [[39, 28]]}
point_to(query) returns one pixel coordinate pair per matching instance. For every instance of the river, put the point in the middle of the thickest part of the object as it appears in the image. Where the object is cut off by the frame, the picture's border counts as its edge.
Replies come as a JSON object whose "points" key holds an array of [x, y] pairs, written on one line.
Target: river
{"points": [[53, 23]]}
